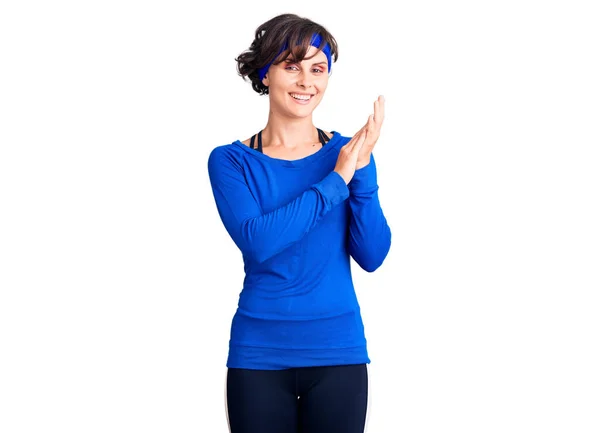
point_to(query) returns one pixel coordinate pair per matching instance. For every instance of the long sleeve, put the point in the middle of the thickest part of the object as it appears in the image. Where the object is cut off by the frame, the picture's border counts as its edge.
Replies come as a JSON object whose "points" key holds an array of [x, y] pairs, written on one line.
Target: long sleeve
{"points": [[370, 235], [262, 236]]}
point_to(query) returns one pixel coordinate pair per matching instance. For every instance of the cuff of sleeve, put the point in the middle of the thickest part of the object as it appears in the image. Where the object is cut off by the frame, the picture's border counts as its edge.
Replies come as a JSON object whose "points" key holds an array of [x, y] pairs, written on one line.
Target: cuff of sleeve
{"points": [[365, 178], [333, 187]]}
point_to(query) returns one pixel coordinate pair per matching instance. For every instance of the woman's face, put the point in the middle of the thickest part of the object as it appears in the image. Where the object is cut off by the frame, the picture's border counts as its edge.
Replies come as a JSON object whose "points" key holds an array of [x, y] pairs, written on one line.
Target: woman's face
{"points": [[296, 89]]}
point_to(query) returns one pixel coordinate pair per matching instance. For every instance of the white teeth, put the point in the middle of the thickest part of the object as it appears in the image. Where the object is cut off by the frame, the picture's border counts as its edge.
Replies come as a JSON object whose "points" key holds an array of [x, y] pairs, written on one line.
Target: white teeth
{"points": [[301, 97]]}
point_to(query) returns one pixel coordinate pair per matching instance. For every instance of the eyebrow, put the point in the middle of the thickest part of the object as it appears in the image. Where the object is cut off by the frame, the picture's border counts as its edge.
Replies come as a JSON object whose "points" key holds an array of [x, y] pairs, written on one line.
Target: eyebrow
{"points": [[290, 60]]}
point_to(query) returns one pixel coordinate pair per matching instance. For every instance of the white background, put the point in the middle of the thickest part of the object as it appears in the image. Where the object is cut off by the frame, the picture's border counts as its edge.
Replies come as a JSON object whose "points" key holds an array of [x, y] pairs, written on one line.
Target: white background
{"points": [[118, 280]]}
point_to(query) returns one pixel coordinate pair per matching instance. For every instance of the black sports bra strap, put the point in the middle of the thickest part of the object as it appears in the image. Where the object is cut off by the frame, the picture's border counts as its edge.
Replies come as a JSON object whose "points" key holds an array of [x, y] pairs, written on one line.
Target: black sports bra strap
{"points": [[323, 138], [260, 141]]}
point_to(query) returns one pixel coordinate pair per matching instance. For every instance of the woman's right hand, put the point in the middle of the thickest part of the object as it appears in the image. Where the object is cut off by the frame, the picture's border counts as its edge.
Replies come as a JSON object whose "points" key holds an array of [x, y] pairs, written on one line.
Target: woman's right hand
{"points": [[346, 162]]}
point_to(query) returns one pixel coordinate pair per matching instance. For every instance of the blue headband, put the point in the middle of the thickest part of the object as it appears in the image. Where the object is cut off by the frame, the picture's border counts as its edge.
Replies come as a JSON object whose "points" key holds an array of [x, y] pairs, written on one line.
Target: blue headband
{"points": [[316, 42]]}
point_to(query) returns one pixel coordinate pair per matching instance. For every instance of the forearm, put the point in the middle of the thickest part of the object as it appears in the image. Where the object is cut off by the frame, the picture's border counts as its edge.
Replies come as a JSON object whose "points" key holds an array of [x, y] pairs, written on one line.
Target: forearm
{"points": [[260, 235], [369, 237], [266, 235]]}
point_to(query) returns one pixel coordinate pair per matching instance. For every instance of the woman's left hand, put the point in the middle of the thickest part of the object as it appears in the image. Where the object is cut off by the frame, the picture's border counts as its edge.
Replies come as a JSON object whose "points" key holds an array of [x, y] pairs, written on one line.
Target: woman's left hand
{"points": [[373, 128]]}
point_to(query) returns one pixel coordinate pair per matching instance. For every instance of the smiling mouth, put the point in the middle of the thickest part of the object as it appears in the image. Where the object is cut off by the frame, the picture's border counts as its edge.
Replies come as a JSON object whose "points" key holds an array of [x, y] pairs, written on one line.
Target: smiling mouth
{"points": [[301, 98]]}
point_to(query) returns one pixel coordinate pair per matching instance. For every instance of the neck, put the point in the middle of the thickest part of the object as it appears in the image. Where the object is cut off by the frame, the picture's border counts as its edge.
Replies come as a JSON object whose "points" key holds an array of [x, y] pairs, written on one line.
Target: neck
{"points": [[289, 132]]}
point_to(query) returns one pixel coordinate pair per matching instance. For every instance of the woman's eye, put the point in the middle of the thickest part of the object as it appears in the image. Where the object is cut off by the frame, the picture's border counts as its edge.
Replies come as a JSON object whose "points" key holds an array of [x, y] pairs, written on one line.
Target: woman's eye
{"points": [[295, 68]]}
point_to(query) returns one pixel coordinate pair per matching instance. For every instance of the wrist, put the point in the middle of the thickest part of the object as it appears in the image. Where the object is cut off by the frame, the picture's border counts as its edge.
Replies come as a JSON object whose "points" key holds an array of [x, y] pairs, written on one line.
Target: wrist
{"points": [[362, 163]]}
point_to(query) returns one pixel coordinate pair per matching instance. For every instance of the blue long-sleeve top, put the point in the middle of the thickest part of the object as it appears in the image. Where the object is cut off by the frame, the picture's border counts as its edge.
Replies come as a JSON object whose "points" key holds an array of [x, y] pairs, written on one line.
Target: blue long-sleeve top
{"points": [[297, 224]]}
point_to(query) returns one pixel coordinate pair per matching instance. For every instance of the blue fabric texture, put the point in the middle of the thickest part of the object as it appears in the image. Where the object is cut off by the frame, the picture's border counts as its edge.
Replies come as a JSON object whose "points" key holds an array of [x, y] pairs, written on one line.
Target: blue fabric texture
{"points": [[298, 225]]}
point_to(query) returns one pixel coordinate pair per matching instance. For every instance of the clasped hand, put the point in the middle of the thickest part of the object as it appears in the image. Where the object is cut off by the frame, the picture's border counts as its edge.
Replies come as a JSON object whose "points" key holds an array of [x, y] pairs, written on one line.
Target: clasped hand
{"points": [[373, 130], [356, 154]]}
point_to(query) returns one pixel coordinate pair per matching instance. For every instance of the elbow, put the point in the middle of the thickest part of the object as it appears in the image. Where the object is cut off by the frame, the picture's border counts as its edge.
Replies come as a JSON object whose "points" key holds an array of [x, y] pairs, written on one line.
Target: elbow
{"points": [[254, 252], [371, 264], [251, 246], [255, 255], [372, 260]]}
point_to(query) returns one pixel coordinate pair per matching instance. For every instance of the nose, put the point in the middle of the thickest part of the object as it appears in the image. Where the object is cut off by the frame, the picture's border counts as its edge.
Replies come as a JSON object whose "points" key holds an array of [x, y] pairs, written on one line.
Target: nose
{"points": [[305, 79]]}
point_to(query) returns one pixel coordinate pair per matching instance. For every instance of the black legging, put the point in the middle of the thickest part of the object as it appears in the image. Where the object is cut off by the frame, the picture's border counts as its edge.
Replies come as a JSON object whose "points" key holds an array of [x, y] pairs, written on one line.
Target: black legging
{"points": [[298, 400]]}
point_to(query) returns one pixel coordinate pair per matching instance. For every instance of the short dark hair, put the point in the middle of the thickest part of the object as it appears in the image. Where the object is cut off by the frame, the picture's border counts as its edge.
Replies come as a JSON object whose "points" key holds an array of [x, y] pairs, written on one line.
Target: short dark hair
{"points": [[271, 36]]}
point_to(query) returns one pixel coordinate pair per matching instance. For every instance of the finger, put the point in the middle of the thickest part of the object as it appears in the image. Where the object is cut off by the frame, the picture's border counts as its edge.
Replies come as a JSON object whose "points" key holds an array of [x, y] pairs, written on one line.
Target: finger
{"points": [[356, 137], [371, 123], [350, 143], [360, 142], [381, 108], [371, 128], [362, 133], [378, 109], [361, 130]]}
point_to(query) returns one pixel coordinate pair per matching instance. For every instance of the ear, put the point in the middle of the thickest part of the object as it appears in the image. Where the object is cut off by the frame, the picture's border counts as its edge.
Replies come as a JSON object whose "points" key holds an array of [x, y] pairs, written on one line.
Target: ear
{"points": [[265, 80]]}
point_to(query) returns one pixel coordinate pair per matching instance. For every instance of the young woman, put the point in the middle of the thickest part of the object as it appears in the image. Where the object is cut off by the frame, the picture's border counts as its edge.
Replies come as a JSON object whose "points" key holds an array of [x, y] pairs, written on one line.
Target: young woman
{"points": [[299, 202]]}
